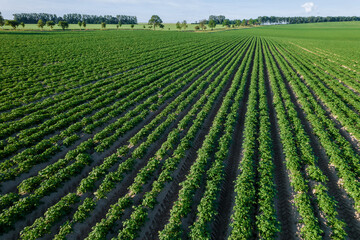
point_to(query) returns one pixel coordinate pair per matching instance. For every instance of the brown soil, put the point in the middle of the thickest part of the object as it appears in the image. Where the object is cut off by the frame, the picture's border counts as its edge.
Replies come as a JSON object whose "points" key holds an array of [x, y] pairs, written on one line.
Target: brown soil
{"points": [[220, 227], [122, 190], [88, 115], [159, 216], [94, 81], [344, 206], [286, 213], [71, 185]]}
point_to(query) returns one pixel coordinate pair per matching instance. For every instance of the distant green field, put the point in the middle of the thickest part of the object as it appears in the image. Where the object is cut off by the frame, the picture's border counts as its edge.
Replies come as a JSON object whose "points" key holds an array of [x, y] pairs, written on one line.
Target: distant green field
{"points": [[168, 26], [318, 31], [338, 37]]}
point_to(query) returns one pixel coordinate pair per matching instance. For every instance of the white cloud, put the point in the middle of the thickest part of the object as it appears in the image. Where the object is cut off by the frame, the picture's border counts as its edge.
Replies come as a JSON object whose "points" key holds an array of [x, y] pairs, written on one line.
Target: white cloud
{"points": [[309, 7]]}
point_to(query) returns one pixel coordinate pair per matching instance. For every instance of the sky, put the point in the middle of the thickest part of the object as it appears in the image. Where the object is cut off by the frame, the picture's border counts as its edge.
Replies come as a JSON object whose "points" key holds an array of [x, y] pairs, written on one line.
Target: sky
{"points": [[171, 11]]}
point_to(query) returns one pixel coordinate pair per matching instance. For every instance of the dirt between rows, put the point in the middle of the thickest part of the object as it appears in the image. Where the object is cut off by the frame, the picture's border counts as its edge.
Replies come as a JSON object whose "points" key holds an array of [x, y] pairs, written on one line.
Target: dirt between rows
{"points": [[220, 226], [286, 212], [345, 204], [158, 217], [94, 81], [191, 218], [120, 191], [355, 143], [90, 114], [70, 186], [10, 186], [318, 214]]}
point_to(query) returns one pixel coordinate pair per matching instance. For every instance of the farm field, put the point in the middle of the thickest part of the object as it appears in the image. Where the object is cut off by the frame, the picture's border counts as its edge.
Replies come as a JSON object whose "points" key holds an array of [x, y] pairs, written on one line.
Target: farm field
{"points": [[243, 134]]}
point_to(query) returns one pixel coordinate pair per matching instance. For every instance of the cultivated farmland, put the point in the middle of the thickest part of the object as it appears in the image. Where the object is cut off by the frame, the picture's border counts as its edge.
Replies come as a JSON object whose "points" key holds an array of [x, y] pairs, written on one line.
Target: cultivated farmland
{"points": [[241, 134]]}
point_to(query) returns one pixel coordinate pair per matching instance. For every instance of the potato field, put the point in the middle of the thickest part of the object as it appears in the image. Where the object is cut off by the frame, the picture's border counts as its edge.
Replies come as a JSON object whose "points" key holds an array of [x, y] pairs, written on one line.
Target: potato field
{"points": [[239, 134]]}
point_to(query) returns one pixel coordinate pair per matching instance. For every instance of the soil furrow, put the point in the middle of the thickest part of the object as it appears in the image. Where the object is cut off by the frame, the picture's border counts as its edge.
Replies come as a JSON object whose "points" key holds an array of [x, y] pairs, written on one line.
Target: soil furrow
{"points": [[344, 207], [285, 211], [122, 190], [227, 195], [70, 186], [160, 215], [12, 184]]}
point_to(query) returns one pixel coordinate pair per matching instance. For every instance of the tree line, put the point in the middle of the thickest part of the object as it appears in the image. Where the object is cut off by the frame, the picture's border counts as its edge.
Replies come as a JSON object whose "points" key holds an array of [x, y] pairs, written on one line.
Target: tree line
{"points": [[50, 20], [222, 20], [312, 19], [74, 18]]}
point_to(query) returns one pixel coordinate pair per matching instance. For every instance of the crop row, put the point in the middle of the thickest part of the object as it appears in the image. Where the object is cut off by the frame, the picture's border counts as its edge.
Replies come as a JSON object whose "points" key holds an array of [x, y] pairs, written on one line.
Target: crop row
{"points": [[136, 220], [136, 72], [194, 178], [56, 180], [63, 73], [306, 156], [206, 210], [343, 104], [26, 157], [339, 152]]}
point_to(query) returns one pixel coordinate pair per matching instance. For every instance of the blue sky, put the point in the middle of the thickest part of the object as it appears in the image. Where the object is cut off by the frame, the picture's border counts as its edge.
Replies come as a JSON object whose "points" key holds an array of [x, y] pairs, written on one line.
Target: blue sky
{"points": [[175, 10]]}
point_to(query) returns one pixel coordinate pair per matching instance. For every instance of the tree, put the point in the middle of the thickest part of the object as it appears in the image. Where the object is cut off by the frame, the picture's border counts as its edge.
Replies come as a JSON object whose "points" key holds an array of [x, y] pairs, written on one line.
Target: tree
{"points": [[273, 19], [251, 21], [50, 24], [197, 27], [184, 24], [63, 24], [155, 21], [212, 24], [41, 24], [244, 22], [226, 23], [12, 23], [237, 23], [84, 24], [161, 26], [22, 24], [33, 18], [103, 25], [218, 19], [2, 22], [261, 19], [178, 25], [117, 26], [80, 24], [202, 24], [123, 19], [132, 26]]}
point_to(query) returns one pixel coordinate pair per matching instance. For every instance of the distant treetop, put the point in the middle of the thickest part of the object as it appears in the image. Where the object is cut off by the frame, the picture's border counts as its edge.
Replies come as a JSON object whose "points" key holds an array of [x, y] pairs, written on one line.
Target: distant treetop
{"points": [[155, 20]]}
